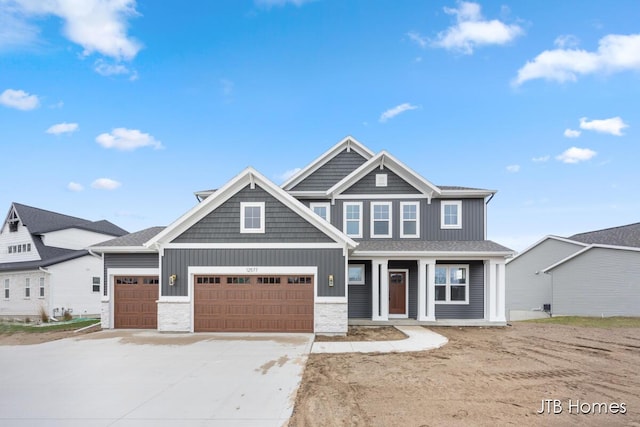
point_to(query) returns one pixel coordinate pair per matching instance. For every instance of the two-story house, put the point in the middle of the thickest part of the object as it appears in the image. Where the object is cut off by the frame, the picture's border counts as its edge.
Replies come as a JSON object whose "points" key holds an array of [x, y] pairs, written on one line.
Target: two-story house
{"points": [[353, 237], [44, 265]]}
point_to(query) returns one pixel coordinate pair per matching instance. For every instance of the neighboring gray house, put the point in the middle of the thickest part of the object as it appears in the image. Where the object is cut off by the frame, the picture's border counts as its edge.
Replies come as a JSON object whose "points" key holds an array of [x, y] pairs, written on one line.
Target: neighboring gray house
{"points": [[588, 274], [44, 264], [354, 236]]}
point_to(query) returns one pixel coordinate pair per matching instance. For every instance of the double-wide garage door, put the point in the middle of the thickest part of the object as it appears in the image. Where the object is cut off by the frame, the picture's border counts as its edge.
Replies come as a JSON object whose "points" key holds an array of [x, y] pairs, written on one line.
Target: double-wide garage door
{"points": [[135, 302], [252, 303]]}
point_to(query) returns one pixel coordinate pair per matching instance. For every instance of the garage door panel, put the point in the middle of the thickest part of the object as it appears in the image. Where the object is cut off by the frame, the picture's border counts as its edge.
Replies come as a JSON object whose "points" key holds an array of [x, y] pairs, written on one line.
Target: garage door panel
{"points": [[254, 303], [135, 302]]}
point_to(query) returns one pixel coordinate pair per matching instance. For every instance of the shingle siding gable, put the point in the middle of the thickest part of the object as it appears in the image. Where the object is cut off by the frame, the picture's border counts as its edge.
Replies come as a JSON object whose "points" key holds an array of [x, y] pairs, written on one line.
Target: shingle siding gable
{"points": [[331, 172], [281, 223]]}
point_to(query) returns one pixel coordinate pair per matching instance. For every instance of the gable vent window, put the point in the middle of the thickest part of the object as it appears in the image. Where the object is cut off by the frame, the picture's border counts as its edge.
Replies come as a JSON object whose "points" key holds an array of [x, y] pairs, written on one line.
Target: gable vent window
{"points": [[381, 180], [13, 222]]}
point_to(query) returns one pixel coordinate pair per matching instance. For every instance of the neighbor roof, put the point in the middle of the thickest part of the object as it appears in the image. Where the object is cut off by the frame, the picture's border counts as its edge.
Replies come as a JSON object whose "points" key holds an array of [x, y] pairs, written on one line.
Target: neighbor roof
{"points": [[129, 242], [625, 235], [40, 221]]}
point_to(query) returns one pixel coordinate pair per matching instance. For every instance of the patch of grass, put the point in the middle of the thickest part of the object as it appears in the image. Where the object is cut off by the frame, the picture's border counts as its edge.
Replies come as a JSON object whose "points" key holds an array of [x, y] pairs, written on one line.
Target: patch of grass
{"points": [[13, 327], [591, 322]]}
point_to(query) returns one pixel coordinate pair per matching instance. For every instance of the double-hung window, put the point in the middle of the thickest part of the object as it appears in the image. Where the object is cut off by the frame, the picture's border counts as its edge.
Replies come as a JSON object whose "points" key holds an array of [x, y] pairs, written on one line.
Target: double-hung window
{"points": [[7, 288], [27, 287], [323, 210], [353, 219], [252, 217], [42, 287], [452, 284], [451, 214], [409, 219], [381, 219]]}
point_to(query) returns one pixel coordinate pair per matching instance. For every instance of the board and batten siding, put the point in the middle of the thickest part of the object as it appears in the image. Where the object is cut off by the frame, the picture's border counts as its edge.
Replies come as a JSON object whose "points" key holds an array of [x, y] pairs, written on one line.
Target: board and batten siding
{"points": [[281, 223], [132, 260], [598, 282], [475, 308], [527, 288], [395, 184], [328, 261], [331, 172]]}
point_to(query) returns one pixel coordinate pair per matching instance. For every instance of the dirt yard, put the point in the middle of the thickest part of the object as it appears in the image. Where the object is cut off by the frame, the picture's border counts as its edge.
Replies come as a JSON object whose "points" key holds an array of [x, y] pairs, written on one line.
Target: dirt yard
{"points": [[483, 376]]}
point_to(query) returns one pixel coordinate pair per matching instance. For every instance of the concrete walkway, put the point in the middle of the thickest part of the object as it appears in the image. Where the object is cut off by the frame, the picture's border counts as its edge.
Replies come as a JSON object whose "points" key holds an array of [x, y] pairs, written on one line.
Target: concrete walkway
{"points": [[419, 339]]}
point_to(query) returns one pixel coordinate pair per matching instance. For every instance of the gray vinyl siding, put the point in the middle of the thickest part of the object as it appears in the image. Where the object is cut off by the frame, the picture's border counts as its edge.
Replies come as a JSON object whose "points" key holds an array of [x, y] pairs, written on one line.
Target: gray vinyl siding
{"points": [[598, 282], [331, 172], [526, 290], [395, 184], [132, 260], [328, 261], [360, 295], [472, 219], [281, 223], [475, 308]]}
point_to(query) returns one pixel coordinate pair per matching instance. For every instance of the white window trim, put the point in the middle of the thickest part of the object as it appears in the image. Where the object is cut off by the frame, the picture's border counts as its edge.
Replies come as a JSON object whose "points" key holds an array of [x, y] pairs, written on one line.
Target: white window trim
{"points": [[448, 301], [244, 205], [357, 282], [457, 203], [344, 217], [402, 220], [326, 205], [390, 233]]}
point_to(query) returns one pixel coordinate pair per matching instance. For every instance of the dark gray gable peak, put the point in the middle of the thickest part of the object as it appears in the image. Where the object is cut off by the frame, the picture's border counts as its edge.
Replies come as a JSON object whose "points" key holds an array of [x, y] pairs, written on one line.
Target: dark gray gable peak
{"points": [[39, 221], [252, 178], [625, 235], [384, 160], [348, 145]]}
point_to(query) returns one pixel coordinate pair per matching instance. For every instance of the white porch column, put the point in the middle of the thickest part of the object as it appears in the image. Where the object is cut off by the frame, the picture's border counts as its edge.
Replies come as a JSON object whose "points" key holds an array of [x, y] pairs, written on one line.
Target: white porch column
{"points": [[422, 289], [431, 290], [500, 290], [492, 297], [384, 290], [375, 290]]}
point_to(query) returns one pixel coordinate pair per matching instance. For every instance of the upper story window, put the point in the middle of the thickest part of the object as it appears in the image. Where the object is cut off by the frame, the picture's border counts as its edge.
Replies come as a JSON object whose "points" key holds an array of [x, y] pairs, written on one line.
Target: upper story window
{"points": [[409, 219], [451, 214], [353, 219], [452, 284], [16, 249], [323, 210], [252, 217], [381, 219]]}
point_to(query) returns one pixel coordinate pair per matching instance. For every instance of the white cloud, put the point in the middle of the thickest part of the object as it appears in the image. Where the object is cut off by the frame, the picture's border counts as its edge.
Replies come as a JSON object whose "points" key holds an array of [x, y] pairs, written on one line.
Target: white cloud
{"points": [[288, 174], [571, 133], [74, 186], [15, 32], [576, 155], [127, 140], [105, 69], [615, 53], [612, 126], [105, 184], [392, 112], [513, 168], [62, 128], [472, 30], [272, 3], [541, 159], [566, 40], [421, 41], [19, 99], [96, 25]]}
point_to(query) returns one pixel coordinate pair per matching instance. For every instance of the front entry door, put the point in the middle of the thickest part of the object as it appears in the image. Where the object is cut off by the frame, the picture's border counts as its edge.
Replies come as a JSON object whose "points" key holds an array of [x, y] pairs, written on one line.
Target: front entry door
{"points": [[398, 293]]}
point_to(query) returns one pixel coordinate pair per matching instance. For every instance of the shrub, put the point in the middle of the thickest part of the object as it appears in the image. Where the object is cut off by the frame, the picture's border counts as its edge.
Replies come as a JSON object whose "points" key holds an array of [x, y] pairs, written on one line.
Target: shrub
{"points": [[44, 316], [67, 315]]}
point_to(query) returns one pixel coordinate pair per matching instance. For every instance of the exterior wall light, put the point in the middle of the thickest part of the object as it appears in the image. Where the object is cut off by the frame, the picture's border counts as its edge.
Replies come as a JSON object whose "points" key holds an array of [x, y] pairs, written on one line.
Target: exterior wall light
{"points": [[331, 280], [172, 279]]}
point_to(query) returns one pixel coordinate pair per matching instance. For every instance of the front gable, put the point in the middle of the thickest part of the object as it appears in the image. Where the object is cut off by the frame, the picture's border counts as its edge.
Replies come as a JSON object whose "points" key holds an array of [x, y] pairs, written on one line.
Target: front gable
{"points": [[222, 225], [16, 242]]}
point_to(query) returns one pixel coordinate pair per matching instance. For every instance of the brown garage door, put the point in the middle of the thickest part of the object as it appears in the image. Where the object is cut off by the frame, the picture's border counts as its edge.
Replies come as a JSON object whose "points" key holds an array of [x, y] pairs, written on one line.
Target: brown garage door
{"points": [[253, 303], [135, 303]]}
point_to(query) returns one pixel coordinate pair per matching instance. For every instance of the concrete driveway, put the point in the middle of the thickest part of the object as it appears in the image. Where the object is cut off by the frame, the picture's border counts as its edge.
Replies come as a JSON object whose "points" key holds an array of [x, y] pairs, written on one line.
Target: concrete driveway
{"points": [[133, 378]]}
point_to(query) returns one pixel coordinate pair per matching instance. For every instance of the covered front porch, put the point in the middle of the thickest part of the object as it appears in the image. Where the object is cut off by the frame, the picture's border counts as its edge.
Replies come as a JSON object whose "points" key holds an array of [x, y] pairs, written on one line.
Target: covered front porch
{"points": [[439, 289]]}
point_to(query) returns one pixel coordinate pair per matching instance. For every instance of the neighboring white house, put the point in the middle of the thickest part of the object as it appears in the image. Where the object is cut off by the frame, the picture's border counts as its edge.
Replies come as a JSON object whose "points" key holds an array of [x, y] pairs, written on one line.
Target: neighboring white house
{"points": [[588, 274], [44, 263]]}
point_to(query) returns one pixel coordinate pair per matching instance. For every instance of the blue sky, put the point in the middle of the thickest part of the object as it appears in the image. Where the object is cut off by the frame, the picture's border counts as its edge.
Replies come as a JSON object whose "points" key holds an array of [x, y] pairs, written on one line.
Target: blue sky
{"points": [[121, 109]]}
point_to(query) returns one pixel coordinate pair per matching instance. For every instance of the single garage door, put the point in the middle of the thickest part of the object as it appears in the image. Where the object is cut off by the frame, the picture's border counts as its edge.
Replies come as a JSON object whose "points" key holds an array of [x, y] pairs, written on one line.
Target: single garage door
{"points": [[274, 303], [135, 302]]}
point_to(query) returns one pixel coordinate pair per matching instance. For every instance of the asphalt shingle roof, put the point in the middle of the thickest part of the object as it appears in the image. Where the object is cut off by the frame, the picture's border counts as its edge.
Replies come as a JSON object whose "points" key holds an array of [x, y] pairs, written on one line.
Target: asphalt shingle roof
{"points": [[625, 235], [40, 221], [431, 246], [132, 239]]}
